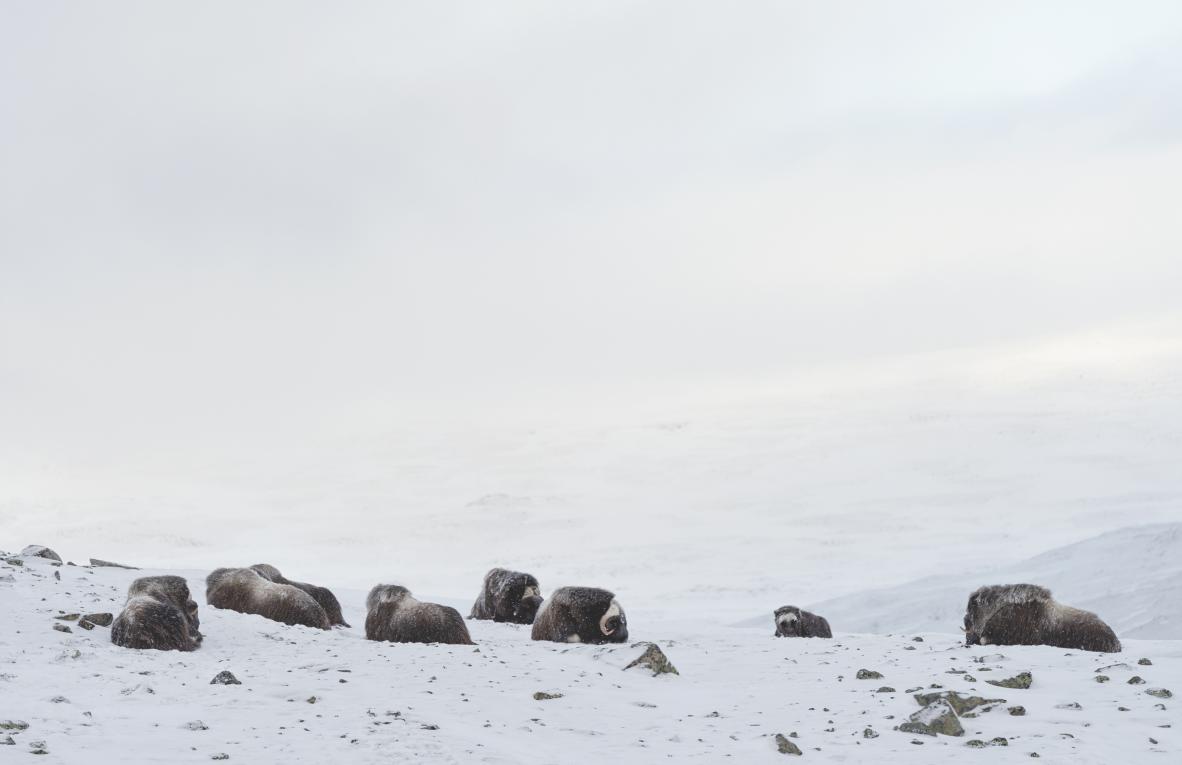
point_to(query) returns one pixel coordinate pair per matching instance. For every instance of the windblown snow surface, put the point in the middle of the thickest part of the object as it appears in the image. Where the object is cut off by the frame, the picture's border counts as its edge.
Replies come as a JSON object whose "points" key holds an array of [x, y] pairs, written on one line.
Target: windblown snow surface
{"points": [[317, 696]]}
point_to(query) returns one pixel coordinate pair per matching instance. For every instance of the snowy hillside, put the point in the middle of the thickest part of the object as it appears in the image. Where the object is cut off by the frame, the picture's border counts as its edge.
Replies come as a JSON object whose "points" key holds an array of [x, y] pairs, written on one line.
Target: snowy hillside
{"points": [[1131, 577], [314, 697]]}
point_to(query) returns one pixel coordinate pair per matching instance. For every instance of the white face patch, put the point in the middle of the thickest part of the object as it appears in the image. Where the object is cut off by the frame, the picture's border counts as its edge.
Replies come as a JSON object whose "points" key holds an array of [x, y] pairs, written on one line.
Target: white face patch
{"points": [[530, 592], [612, 610], [787, 618], [573, 639]]}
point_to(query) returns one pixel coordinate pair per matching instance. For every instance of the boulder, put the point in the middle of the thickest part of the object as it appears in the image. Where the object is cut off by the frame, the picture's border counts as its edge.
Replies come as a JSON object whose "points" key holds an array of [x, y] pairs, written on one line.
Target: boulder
{"points": [[41, 551], [937, 718], [784, 745], [653, 659], [1021, 681]]}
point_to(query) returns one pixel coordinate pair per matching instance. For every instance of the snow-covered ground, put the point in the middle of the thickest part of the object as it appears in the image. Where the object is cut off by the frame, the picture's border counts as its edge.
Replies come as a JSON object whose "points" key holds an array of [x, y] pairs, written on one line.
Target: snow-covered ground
{"points": [[312, 696]]}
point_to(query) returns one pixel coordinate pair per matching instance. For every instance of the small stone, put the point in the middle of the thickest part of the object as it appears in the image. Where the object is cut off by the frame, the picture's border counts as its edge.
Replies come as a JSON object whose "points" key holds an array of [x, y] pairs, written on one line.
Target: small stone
{"points": [[917, 639], [885, 689], [1021, 681], [86, 625], [219, 756], [785, 746], [1144, 662], [1069, 705], [969, 678], [1018, 711], [976, 743], [1102, 678], [8, 741], [37, 747], [936, 718], [869, 674], [68, 617], [13, 725], [103, 619], [543, 696], [59, 700], [109, 564], [998, 741], [960, 704], [869, 733], [196, 725], [1136, 680], [311, 699], [225, 677], [653, 659], [14, 561], [62, 628], [1160, 693]]}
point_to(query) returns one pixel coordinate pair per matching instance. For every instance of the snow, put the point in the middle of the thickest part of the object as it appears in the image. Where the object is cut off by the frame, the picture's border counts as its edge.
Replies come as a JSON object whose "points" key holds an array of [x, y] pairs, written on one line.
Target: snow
{"points": [[311, 696]]}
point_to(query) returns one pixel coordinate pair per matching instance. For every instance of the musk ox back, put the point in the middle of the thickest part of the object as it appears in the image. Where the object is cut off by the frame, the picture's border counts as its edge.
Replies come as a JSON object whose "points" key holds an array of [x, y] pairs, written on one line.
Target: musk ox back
{"points": [[159, 614], [581, 615], [793, 622], [249, 592], [508, 596], [1026, 614], [322, 595], [394, 615]]}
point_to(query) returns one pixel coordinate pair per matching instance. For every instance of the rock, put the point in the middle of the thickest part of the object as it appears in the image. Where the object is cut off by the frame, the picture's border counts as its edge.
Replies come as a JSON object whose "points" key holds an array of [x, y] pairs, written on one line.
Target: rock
{"points": [[1021, 681], [109, 564], [969, 678], [998, 741], [59, 700], [40, 551], [655, 659], [62, 628], [1136, 680], [1069, 705], [8, 741], [1160, 693], [312, 699], [1102, 678], [102, 619], [13, 725], [976, 743], [68, 617], [1122, 667], [869, 674], [86, 625], [936, 718], [37, 747], [785, 746], [870, 733], [960, 704], [14, 561], [1018, 711], [885, 689], [917, 639], [543, 696], [1144, 662], [225, 677], [219, 756], [196, 725]]}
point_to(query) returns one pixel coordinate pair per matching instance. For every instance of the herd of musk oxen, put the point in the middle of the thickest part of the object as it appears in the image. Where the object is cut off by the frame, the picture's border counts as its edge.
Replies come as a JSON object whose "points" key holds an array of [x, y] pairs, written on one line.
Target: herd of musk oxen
{"points": [[160, 613]]}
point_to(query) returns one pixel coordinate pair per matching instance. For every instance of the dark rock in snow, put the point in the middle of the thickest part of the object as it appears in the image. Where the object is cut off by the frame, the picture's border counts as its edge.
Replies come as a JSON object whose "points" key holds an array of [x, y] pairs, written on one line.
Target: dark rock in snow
{"points": [[1144, 662], [225, 677], [960, 704], [40, 551], [1136, 680], [13, 725], [543, 696], [1102, 678], [785, 746], [1021, 681], [1018, 711], [68, 617], [654, 659], [62, 628], [870, 733], [1160, 693], [868, 674], [937, 718], [109, 564], [101, 619]]}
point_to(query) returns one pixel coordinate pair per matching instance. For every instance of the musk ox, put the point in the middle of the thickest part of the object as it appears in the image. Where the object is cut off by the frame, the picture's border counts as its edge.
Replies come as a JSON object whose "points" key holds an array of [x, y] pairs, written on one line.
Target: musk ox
{"points": [[393, 614], [793, 622], [508, 596], [249, 592], [159, 614], [1026, 614], [322, 595], [581, 615]]}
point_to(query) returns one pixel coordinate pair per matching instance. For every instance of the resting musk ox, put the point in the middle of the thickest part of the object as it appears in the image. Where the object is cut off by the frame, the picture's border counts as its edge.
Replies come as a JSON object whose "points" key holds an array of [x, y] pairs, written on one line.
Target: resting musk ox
{"points": [[1026, 614], [793, 622], [322, 595], [508, 596], [581, 615], [159, 614], [249, 592], [393, 614]]}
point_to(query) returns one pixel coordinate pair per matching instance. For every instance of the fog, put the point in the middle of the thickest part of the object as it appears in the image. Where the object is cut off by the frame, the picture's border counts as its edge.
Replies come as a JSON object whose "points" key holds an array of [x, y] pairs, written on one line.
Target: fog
{"points": [[242, 229]]}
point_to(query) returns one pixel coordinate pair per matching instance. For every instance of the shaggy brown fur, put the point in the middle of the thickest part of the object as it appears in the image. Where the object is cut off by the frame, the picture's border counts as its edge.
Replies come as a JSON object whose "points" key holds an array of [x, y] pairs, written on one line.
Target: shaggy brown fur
{"points": [[508, 596], [395, 615], [159, 614], [322, 595], [1026, 614], [793, 622], [581, 615], [249, 592]]}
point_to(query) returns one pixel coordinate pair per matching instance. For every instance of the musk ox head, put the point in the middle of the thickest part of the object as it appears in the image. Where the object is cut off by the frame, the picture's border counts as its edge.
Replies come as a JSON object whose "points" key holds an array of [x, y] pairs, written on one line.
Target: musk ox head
{"points": [[788, 622], [508, 596], [526, 605], [169, 589], [985, 601]]}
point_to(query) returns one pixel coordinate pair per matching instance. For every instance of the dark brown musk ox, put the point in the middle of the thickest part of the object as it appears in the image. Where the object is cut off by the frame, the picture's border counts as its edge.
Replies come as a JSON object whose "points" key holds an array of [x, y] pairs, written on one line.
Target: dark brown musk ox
{"points": [[159, 614], [322, 595], [793, 622], [1026, 614], [394, 615], [581, 615], [249, 592], [508, 596]]}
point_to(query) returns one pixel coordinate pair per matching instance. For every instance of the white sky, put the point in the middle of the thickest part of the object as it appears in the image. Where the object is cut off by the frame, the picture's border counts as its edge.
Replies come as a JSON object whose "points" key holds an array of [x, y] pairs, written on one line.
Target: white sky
{"points": [[220, 216]]}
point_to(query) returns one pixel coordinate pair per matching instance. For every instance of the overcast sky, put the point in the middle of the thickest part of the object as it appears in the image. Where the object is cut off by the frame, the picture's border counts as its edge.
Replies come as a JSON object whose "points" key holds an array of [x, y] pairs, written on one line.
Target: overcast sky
{"points": [[223, 213]]}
